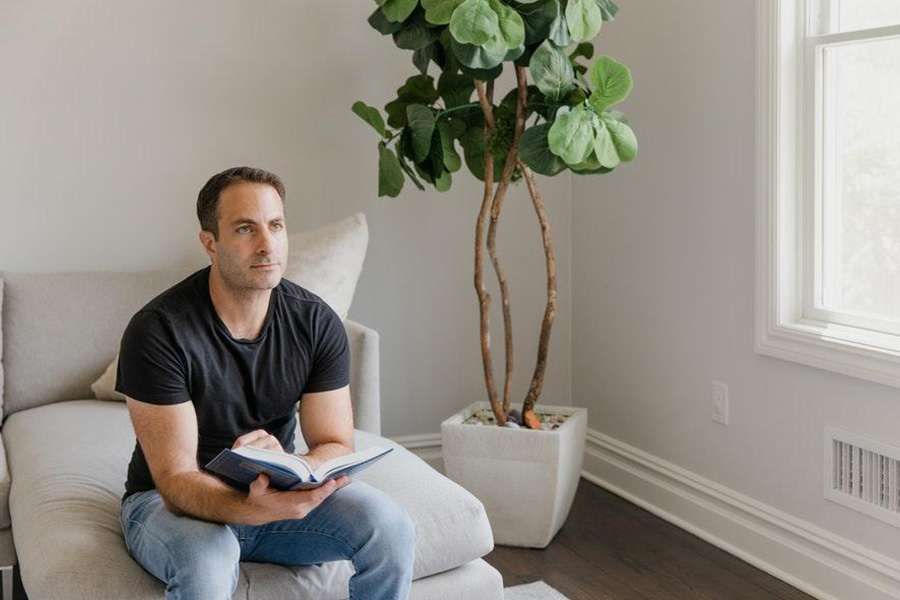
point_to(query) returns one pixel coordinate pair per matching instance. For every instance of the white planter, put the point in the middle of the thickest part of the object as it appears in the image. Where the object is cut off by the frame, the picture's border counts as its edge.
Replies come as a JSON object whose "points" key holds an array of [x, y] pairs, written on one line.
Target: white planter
{"points": [[525, 478]]}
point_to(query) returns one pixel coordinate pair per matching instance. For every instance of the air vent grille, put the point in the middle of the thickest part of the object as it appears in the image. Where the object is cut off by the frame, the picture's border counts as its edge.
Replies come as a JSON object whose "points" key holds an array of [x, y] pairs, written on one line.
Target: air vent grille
{"points": [[863, 474]]}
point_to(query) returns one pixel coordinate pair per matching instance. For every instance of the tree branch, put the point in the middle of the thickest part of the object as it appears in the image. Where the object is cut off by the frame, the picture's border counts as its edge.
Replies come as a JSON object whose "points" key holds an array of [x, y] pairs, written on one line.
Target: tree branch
{"points": [[537, 381], [485, 98]]}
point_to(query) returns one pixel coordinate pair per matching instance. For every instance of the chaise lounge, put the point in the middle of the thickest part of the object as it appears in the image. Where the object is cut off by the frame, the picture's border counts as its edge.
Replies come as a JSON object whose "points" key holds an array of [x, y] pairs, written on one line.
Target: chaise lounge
{"points": [[68, 452]]}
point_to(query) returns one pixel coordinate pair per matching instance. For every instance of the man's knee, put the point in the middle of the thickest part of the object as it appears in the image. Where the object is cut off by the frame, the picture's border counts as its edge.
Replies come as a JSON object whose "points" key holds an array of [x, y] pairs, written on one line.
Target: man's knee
{"points": [[212, 569], [391, 526]]}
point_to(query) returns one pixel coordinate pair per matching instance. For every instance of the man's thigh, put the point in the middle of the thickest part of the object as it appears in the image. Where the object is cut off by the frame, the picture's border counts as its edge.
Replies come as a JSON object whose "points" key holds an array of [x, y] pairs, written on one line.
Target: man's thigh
{"points": [[356, 515], [164, 543]]}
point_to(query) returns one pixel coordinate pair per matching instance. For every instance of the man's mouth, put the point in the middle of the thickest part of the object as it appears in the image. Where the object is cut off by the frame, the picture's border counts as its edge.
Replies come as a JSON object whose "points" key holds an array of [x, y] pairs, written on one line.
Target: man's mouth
{"points": [[265, 266]]}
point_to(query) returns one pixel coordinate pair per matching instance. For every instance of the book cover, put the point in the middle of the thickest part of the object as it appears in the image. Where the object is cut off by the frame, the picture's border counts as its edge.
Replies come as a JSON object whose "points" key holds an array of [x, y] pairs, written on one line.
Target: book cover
{"points": [[287, 471]]}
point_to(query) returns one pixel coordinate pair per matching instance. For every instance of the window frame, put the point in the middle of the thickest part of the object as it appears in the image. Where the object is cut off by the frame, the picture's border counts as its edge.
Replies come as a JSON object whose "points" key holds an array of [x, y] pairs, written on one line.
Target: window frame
{"points": [[789, 323]]}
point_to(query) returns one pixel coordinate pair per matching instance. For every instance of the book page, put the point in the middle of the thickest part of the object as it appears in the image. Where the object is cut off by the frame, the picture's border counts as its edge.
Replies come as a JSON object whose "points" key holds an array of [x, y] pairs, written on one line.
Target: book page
{"points": [[340, 462], [291, 461]]}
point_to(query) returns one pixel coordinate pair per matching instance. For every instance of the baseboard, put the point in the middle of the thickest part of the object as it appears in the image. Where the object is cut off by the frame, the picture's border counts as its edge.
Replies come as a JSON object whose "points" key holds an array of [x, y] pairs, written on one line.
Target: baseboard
{"points": [[812, 559]]}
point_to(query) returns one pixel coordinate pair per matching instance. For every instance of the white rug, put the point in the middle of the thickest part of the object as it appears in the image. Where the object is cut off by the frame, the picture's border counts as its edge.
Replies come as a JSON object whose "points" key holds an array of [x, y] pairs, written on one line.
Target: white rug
{"points": [[532, 591]]}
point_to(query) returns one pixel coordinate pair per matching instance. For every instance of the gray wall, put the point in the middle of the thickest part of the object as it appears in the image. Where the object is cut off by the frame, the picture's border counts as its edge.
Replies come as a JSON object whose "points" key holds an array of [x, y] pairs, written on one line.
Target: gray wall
{"points": [[663, 271], [114, 114]]}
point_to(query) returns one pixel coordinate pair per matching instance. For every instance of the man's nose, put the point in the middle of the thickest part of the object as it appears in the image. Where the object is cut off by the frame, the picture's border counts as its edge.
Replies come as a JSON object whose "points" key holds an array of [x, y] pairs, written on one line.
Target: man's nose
{"points": [[266, 242]]}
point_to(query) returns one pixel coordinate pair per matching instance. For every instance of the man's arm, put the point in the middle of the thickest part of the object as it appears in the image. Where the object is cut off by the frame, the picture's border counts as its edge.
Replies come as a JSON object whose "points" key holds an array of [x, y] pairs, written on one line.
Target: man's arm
{"points": [[168, 437], [326, 420]]}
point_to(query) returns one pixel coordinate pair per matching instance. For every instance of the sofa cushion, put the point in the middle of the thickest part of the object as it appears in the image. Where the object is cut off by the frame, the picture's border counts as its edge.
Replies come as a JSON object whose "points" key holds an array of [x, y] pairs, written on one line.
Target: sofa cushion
{"points": [[68, 463], [327, 261], [1, 349], [4, 492]]}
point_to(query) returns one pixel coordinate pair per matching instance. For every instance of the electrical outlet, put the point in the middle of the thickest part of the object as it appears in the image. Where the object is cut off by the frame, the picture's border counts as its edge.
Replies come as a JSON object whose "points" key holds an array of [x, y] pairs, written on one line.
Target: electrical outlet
{"points": [[720, 402]]}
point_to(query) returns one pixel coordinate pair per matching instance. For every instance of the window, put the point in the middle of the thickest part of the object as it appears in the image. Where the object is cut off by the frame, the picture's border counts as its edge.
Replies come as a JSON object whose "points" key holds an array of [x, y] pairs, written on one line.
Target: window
{"points": [[828, 279]]}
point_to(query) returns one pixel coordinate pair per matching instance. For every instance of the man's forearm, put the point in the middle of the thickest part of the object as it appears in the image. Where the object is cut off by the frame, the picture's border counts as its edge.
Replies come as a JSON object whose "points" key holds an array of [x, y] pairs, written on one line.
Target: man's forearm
{"points": [[327, 451], [203, 496]]}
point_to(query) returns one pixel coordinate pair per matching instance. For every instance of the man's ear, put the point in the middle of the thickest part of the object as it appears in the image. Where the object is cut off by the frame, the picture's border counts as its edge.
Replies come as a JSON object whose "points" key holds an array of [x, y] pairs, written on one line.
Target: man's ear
{"points": [[208, 242]]}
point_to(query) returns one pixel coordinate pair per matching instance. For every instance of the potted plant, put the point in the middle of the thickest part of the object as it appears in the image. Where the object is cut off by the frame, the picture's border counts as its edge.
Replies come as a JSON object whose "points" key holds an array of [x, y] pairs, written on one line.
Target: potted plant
{"points": [[526, 470]]}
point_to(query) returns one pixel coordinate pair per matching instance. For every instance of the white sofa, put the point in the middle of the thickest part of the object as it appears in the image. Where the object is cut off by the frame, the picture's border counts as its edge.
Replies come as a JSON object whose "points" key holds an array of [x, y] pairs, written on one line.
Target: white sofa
{"points": [[67, 455]]}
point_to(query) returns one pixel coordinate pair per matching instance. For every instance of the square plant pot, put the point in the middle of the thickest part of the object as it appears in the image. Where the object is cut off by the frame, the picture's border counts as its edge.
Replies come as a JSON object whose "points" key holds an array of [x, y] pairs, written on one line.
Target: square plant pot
{"points": [[526, 478]]}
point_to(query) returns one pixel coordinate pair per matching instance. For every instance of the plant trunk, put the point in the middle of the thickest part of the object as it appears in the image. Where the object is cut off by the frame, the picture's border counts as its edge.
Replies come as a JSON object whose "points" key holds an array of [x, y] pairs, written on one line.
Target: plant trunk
{"points": [[501, 410], [484, 298], [537, 380]]}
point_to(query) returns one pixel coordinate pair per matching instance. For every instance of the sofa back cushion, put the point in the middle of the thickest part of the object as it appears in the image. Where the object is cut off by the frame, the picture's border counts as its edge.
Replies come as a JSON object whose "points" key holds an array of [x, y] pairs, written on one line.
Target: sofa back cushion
{"points": [[1, 348], [60, 330]]}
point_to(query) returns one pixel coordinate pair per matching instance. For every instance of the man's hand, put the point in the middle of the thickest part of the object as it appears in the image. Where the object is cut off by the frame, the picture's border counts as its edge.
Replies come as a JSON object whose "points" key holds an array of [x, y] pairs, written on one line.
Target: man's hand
{"points": [[259, 438], [274, 505]]}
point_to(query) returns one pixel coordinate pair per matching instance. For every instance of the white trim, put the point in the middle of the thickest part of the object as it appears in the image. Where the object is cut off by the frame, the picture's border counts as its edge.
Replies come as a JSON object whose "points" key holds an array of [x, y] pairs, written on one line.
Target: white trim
{"points": [[812, 559], [781, 329], [426, 446]]}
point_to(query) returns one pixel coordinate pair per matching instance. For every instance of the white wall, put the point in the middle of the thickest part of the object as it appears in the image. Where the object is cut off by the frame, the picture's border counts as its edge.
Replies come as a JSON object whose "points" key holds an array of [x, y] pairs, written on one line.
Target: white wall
{"points": [[663, 271], [114, 114]]}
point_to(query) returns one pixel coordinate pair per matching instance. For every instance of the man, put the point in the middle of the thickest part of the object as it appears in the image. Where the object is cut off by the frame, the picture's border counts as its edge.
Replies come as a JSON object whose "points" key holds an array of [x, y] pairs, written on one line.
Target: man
{"points": [[220, 360]]}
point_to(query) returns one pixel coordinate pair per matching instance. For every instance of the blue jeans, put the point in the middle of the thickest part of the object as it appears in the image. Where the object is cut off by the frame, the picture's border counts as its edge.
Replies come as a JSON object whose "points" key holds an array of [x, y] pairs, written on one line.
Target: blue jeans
{"points": [[199, 559]]}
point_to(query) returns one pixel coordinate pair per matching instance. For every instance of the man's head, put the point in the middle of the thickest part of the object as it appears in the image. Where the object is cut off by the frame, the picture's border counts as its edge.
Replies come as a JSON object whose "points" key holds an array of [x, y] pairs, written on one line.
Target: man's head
{"points": [[241, 212]]}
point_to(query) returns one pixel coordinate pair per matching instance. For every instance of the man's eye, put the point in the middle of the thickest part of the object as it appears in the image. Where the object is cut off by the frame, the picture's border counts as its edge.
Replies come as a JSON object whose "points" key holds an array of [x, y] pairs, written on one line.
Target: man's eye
{"points": [[278, 226], [244, 229]]}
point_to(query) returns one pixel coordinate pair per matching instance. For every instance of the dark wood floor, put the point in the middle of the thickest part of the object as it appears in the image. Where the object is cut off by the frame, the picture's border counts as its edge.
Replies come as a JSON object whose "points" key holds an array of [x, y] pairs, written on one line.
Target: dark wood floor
{"points": [[610, 549]]}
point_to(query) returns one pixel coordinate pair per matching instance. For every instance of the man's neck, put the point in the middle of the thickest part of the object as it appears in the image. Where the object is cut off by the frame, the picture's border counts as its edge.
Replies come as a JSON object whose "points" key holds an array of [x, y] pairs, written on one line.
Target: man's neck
{"points": [[242, 311]]}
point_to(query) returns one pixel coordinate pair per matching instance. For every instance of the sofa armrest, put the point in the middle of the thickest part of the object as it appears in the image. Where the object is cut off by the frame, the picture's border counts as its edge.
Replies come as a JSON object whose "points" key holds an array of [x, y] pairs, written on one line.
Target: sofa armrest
{"points": [[364, 376]]}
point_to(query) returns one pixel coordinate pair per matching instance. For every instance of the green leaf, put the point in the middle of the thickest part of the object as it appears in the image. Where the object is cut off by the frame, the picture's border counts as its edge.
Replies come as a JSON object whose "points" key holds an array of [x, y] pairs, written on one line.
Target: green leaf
{"points": [[418, 89], [482, 74], [455, 89], [537, 16], [589, 166], [551, 70], [398, 10], [608, 9], [472, 142], [571, 136], [396, 111], [370, 115], [422, 58], [611, 81], [407, 170], [450, 157], [381, 23], [440, 11], [511, 25], [584, 19], [421, 126], [474, 22], [534, 150], [443, 182], [475, 57], [390, 176], [604, 149], [559, 31], [585, 49], [623, 137], [414, 36]]}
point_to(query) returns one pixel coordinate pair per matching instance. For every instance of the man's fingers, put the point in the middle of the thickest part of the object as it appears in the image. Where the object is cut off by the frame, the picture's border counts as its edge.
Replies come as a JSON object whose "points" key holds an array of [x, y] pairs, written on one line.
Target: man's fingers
{"points": [[260, 484], [249, 438]]}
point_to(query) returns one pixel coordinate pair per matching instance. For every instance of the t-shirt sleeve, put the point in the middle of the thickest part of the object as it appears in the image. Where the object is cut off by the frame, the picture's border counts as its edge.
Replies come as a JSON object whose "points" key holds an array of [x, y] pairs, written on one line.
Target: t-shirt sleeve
{"points": [[331, 356], [151, 368]]}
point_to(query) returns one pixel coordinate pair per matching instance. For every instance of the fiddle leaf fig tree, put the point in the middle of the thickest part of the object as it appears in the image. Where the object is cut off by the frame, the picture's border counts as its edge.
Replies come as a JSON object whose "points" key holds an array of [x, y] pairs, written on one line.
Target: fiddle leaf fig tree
{"points": [[563, 120]]}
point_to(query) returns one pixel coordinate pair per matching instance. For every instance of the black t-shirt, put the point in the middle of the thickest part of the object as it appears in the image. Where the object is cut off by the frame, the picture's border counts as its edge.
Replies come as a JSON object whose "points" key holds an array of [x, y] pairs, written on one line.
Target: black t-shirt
{"points": [[176, 349]]}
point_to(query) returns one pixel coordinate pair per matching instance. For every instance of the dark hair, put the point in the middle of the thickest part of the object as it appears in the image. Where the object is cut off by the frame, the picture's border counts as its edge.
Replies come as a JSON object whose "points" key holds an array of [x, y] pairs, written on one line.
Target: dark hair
{"points": [[208, 200]]}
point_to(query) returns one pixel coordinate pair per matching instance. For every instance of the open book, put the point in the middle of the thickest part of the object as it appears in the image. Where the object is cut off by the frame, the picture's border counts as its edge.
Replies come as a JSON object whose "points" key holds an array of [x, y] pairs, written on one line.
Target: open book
{"points": [[288, 471]]}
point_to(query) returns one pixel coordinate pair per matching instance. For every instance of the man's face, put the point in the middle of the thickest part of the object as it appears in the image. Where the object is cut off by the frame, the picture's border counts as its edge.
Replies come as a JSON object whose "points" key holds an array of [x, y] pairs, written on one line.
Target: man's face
{"points": [[251, 252]]}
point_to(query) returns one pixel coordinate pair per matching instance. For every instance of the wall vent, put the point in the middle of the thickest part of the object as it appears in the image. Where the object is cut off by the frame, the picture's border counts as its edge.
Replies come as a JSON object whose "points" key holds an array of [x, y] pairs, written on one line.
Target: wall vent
{"points": [[863, 474]]}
